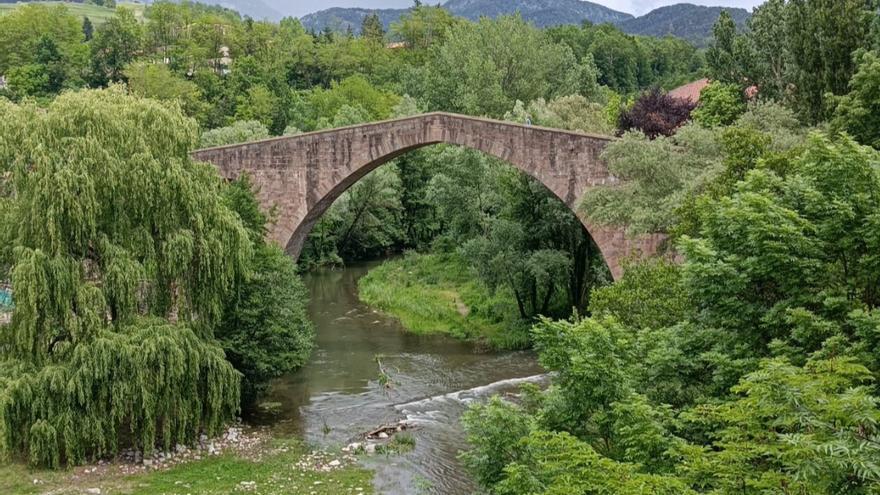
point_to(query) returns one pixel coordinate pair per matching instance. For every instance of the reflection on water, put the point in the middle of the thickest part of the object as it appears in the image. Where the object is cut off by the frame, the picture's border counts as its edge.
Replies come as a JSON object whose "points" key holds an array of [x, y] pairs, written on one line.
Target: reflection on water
{"points": [[337, 396]]}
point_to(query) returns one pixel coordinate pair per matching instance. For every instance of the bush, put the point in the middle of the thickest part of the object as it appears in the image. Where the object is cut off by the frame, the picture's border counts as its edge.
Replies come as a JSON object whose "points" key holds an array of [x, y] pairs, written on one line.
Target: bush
{"points": [[655, 113], [494, 431], [720, 104], [242, 131], [266, 332], [651, 294]]}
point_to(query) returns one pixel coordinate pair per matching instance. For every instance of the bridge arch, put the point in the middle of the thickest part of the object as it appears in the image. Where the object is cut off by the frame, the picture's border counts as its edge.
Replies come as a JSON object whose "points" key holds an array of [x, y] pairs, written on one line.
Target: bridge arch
{"points": [[301, 176]]}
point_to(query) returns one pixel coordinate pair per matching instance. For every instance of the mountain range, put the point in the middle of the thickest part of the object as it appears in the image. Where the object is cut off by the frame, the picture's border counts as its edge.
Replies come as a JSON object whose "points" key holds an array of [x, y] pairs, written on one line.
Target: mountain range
{"points": [[542, 13], [691, 22]]}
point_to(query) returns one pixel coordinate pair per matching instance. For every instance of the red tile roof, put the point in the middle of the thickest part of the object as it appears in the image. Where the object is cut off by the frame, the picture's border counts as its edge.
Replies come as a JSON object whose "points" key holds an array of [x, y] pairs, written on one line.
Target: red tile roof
{"points": [[690, 91]]}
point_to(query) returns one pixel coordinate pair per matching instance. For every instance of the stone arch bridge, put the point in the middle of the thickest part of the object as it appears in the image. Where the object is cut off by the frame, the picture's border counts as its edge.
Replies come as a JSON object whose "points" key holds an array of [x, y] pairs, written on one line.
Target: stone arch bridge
{"points": [[302, 175]]}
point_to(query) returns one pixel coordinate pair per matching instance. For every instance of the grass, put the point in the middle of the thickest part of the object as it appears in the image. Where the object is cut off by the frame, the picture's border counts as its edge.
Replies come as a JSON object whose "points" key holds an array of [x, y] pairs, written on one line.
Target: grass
{"points": [[437, 293], [98, 15], [400, 443], [281, 471]]}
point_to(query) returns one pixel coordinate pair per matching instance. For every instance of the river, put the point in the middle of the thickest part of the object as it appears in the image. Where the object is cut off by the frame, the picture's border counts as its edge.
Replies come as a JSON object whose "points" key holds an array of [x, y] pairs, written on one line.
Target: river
{"points": [[337, 397]]}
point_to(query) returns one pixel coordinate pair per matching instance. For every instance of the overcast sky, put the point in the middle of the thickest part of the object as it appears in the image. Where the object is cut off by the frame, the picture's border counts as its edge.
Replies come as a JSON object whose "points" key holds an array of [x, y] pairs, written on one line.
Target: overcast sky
{"points": [[636, 7]]}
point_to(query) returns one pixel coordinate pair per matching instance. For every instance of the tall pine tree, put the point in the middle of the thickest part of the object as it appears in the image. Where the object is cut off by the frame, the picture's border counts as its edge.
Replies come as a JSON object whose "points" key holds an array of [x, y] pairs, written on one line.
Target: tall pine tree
{"points": [[372, 28]]}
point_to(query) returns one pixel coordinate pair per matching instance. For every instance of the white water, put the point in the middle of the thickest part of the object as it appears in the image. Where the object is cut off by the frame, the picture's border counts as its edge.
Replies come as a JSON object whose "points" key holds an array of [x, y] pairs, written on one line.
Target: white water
{"points": [[434, 378]]}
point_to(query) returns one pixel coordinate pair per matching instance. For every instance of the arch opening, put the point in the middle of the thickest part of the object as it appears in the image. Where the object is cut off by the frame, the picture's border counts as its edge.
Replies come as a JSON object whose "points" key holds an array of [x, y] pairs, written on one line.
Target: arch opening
{"points": [[543, 230]]}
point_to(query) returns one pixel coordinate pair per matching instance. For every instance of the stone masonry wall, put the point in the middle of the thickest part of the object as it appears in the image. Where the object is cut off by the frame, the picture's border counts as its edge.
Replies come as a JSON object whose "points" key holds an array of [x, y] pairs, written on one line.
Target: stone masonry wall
{"points": [[301, 176]]}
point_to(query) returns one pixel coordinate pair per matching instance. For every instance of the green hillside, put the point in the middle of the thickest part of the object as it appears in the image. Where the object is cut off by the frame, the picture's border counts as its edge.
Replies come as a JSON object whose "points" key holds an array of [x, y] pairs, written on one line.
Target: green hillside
{"points": [[97, 14]]}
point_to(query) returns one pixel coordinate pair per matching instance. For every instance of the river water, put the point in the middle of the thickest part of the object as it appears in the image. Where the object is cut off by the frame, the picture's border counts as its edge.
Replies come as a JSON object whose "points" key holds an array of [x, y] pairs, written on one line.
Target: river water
{"points": [[337, 397]]}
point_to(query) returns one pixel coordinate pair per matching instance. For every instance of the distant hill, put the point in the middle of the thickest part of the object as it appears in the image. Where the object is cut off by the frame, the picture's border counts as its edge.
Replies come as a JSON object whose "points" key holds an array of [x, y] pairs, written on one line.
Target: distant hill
{"points": [[342, 19], [691, 22], [255, 9], [542, 13], [98, 15]]}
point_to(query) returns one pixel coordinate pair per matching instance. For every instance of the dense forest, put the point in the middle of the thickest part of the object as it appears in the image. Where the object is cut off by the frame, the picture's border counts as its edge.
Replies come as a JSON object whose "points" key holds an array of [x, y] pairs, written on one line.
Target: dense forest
{"points": [[149, 309]]}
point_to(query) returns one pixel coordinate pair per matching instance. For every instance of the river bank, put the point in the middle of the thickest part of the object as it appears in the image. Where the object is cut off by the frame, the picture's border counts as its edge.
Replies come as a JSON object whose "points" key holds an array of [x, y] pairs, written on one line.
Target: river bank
{"points": [[438, 294], [431, 379], [248, 460], [335, 426]]}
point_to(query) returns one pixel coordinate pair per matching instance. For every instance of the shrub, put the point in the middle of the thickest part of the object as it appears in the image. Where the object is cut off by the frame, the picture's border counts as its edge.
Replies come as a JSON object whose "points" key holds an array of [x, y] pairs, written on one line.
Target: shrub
{"points": [[655, 113], [720, 104]]}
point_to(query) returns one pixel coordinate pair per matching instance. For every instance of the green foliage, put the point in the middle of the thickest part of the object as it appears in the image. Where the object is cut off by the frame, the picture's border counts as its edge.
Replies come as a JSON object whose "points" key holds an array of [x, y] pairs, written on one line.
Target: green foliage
{"points": [[484, 68], [574, 112], [650, 294], [657, 174], [767, 46], [810, 228], [775, 121], [494, 432], [159, 82], [123, 253], [812, 429], [258, 104], [266, 330], [664, 176], [30, 79], [820, 40], [593, 360], [858, 112], [364, 222], [423, 27], [437, 293], [43, 49], [372, 28], [720, 105], [242, 131], [750, 367], [728, 57], [627, 63], [515, 234], [115, 45], [353, 92], [557, 463], [800, 52]]}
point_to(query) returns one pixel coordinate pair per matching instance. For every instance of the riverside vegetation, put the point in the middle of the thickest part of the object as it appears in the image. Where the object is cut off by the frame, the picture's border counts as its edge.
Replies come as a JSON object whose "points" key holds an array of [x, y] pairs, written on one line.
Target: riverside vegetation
{"points": [[149, 311]]}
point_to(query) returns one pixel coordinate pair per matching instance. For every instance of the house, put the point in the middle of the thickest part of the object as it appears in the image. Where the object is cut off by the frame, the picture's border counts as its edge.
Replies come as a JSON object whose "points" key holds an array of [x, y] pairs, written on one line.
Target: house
{"points": [[690, 91]]}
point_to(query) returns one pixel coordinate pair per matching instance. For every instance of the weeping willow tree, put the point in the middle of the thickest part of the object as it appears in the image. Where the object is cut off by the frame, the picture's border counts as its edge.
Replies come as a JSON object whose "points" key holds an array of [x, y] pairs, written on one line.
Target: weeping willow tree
{"points": [[121, 251]]}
